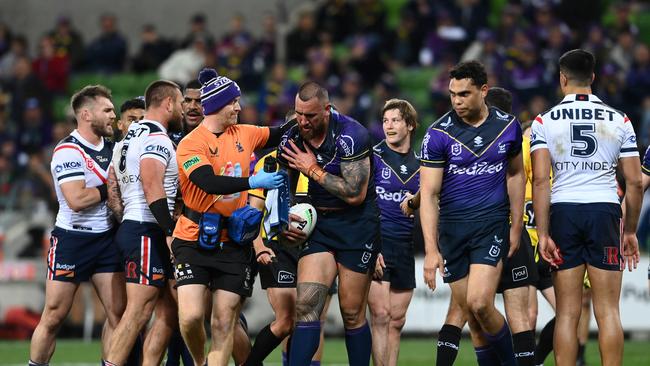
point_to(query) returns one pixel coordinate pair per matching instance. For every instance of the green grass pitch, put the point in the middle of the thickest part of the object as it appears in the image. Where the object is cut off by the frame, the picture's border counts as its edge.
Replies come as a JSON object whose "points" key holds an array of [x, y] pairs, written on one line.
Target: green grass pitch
{"points": [[414, 351]]}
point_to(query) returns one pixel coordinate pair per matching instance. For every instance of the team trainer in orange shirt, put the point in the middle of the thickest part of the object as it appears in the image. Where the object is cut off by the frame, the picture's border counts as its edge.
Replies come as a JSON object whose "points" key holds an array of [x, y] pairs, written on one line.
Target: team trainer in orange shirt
{"points": [[214, 164]]}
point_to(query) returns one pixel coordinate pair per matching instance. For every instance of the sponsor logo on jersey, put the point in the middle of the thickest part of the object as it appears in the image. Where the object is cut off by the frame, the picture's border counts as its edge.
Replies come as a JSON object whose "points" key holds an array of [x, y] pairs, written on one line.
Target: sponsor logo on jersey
{"points": [[390, 196], [286, 277], [475, 169], [239, 147], [611, 256], [191, 162], [68, 165], [65, 267], [519, 273], [365, 257], [319, 158], [214, 152], [502, 148], [448, 123], [402, 169], [456, 149], [502, 116], [347, 144], [494, 251], [478, 141], [247, 278], [385, 173], [159, 149], [425, 143]]}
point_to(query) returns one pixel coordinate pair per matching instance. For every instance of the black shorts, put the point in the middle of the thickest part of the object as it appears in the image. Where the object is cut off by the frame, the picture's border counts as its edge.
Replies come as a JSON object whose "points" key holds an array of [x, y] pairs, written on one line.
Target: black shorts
{"points": [[544, 273], [351, 235], [75, 256], [281, 273], [144, 253], [588, 233], [519, 270], [400, 263], [195, 265], [476, 242]]}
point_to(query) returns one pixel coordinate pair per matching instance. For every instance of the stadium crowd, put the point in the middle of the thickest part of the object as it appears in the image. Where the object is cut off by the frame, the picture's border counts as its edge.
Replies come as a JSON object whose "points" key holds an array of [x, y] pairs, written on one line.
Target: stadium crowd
{"points": [[351, 56]]}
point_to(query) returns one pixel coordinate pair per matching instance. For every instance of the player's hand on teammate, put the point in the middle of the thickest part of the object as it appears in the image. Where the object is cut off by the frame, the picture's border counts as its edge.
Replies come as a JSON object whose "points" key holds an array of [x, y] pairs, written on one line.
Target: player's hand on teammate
{"points": [[404, 205], [292, 235], [630, 251], [549, 251], [515, 238], [298, 159], [379, 267], [433, 262]]}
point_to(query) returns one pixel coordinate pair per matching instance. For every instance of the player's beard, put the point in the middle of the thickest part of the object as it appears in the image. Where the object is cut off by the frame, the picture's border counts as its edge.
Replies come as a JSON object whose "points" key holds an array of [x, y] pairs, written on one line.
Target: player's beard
{"points": [[175, 123], [101, 128], [314, 131]]}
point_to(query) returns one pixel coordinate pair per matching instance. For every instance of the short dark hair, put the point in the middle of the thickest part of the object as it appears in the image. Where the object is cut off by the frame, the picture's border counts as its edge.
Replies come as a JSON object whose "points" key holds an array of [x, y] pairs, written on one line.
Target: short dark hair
{"points": [[311, 89], [87, 95], [135, 103], [472, 70], [405, 108], [192, 84], [500, 98], [157, 91], [578, 66]]}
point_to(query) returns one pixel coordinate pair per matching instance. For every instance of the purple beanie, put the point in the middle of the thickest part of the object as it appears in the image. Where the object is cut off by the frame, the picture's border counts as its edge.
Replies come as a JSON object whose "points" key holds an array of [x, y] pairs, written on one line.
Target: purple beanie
{"points": [[216, 91]]}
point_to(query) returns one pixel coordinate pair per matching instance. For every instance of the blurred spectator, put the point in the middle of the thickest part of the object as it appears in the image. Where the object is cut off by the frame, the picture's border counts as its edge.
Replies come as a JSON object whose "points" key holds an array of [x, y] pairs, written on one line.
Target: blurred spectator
{"points": [[265, 46], [622, 54], [5, 39], [365, 58], [527, 77], [599, 45], [302, 38], [237, 34], [184, 65], [107, 53], [509, 20], [353, 100], [471, 15], [644, 123], [276, 95], [336, 17], [198, 28], [7, 129], [405, 41], [545, 22], [385, 89], [8, 61], [423, 15], [621, 21], [51, 67], [370, 16], [68, 42], [153, 50], [637, 82], [610, 87], [35, 132], [448, 39], [25, 85], [485, 50], [556, 46], [7, 181], [322, 70], [60, 130], [235, 57]]}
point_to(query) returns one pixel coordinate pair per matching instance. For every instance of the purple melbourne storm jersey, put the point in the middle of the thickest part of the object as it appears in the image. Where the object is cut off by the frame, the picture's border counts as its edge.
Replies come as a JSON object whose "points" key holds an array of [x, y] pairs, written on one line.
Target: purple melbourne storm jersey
{"points": [[395, 174], [475, 161], [346, 140]]}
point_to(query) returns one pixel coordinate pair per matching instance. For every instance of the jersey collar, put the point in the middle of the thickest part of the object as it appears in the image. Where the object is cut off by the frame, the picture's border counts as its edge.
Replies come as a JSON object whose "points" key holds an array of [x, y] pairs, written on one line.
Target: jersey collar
{"points": [[75, 133], [158, 124], [581, 98]]}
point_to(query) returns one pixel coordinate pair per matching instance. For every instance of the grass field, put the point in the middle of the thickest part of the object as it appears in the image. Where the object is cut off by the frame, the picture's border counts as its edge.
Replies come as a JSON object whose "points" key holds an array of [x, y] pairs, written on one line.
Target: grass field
{"points": [[413, 352]]}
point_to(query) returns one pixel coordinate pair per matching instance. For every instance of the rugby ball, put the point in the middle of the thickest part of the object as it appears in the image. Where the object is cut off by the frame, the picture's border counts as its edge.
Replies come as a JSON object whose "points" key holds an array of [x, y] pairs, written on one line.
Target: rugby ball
{"points": [[308, 216]]}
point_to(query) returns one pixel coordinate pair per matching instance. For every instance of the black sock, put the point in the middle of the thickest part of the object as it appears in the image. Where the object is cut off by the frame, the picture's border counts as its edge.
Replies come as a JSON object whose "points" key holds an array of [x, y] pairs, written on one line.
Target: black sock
{"points": [[265, 343], [524, 345], [545, 344], [448, 345], [581, 352]]}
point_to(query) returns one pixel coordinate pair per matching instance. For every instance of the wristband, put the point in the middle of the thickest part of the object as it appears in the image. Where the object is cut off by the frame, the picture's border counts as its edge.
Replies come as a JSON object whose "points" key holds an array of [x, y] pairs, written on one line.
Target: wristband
{"points": [[409, 203], [262, 252], [315, 172], [103, 192]]}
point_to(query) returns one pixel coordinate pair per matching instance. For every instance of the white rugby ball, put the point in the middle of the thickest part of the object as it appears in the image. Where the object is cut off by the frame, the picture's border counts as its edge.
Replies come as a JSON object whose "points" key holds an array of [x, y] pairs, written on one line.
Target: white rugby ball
{"points": [[308, 216]]}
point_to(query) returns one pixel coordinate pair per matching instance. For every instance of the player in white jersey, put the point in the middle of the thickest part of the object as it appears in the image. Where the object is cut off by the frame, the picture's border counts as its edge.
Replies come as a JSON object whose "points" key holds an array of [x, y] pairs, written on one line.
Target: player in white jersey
{"points": [[584, 141], [146, 171], [81, 247]]}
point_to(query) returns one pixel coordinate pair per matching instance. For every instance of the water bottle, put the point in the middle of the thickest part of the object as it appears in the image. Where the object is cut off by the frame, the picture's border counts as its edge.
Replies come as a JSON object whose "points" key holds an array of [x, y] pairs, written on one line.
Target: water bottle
{"points": [[270, 164]]}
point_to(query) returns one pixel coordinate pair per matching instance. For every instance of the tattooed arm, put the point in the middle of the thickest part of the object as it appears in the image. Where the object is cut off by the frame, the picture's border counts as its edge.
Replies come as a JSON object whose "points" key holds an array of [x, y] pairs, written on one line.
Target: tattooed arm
{"points": [[351, 186], [114, 200]]}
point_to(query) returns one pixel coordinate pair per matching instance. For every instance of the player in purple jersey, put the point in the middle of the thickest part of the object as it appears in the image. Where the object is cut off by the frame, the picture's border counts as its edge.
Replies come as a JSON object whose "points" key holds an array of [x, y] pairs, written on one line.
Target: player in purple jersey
{"points": [[471, 183], [333, 151], [396, 174]]}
